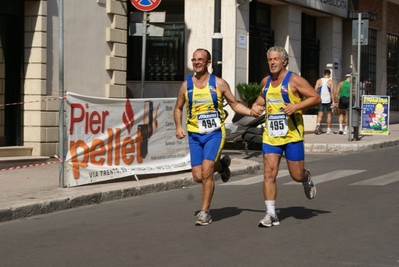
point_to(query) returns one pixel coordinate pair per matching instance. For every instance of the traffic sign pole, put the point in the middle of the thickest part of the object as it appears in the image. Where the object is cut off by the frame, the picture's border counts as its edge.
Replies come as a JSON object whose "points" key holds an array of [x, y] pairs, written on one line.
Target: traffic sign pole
{"points": [[143, 58], [144, 5], [357, 99]]}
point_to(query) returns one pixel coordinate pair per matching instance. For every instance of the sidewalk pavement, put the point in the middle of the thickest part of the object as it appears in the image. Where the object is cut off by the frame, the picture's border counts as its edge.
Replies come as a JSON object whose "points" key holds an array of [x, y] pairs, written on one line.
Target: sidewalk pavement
{"points": [[32, 191]]}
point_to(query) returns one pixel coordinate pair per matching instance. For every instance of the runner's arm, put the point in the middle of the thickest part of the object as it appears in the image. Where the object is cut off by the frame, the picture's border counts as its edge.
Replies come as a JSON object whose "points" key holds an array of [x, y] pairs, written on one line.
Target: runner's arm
{"points": [[232, 101], [178, 111]]}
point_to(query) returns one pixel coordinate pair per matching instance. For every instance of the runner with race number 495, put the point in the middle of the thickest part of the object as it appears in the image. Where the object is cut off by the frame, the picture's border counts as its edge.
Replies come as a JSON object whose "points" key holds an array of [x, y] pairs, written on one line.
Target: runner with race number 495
{"points": [[281, 97]]}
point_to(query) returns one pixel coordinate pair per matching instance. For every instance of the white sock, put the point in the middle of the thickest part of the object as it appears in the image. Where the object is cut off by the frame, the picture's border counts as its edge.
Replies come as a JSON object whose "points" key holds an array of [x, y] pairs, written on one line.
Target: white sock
{"points": [[340, 126], [270, 206]]}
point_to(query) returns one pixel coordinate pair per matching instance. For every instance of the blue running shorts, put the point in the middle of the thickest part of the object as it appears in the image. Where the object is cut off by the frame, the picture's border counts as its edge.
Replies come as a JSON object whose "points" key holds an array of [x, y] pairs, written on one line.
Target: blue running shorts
{"points": [[205, 146], [293, 151]]}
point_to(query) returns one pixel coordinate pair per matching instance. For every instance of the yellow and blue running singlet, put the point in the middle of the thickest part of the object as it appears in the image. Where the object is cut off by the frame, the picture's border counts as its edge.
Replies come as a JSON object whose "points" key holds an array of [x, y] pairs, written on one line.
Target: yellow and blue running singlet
{"points": [[281, 129], [205, 121], [282, 133]]}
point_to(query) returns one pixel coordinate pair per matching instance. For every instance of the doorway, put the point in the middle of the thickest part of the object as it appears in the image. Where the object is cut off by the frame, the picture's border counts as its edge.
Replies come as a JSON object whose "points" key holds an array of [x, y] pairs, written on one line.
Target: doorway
{"points": [[11, 71], [261, 38], [310, 49]]}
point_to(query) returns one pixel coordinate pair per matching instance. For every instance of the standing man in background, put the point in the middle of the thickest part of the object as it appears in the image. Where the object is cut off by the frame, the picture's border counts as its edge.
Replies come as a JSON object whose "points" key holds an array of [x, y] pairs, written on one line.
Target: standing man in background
{"points": [[343, 94], [325, 88]]}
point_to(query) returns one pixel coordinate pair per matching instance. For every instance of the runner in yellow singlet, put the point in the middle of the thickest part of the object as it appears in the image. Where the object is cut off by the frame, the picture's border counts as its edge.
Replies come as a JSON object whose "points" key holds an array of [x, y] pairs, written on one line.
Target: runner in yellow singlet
{"points": [[205, 114], [203, 93], [284, 96]]}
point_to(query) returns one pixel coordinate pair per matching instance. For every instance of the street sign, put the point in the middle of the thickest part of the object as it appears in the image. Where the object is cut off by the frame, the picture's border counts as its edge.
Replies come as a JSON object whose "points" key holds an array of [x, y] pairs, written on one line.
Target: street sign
{"points": [[364, 32], [145, 5], [153, 17], [137, 29], [136, 25]]}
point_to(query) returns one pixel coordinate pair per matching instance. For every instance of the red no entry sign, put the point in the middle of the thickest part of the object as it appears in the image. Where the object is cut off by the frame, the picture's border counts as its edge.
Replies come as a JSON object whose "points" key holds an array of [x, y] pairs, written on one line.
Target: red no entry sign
{"points": [[145, 5]]}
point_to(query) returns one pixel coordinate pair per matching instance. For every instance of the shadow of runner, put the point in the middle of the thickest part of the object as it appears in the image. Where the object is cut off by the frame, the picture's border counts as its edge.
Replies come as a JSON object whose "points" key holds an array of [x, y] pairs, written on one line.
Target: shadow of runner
{"points": [[300, 213], [227, 212]]}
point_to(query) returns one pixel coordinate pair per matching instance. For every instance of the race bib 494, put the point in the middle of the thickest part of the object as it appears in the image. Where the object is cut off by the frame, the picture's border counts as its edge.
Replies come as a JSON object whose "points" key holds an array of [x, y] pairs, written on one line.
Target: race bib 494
{"points": [[208, 122]]}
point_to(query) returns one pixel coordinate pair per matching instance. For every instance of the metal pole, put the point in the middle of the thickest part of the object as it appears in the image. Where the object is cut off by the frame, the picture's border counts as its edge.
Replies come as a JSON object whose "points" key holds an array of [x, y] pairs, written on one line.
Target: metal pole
{"points": [[143, 52], [357, 101], [217, 41], [350, 108], [61, 91], [359, 31]]}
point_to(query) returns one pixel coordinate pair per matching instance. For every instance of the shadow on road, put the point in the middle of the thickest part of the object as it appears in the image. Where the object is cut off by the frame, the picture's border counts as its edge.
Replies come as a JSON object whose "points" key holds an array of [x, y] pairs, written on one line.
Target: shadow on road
{"points": [[227, 212], [300, 213]]}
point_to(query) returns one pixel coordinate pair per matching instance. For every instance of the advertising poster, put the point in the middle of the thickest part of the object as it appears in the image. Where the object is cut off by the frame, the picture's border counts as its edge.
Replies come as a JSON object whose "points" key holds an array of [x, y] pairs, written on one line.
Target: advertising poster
{"points": [[112, 138], [375, 114]]}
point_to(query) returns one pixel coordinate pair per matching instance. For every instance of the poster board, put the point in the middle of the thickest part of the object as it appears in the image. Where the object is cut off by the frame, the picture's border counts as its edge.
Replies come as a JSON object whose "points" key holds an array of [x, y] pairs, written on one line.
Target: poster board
{"points": [[375, 114]]}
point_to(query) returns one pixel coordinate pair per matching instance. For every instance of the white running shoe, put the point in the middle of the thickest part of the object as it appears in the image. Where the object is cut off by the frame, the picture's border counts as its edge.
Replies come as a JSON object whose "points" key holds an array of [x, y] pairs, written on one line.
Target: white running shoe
{"points": [[203, 218], [269, 220]]}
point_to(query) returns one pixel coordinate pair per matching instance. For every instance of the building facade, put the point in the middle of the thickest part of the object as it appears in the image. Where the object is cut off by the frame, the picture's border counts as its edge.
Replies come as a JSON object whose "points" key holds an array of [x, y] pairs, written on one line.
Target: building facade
{"points": [[102, 54]]}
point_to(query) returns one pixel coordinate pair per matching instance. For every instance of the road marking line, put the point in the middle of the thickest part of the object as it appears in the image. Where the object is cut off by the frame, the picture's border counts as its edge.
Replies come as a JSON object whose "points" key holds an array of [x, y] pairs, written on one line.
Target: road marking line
{"points": [[381, 180], [255, 179], [330, 176]]}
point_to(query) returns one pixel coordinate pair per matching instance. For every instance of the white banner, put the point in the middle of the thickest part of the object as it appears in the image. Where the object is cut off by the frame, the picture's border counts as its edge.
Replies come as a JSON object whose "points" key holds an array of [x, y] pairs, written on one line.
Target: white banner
{"points": [[112, 138]]}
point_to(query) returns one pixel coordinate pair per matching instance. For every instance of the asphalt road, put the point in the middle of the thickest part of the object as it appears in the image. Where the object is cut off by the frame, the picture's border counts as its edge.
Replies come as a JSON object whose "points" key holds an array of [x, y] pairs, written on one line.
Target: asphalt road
{"points": [[353, 221]]}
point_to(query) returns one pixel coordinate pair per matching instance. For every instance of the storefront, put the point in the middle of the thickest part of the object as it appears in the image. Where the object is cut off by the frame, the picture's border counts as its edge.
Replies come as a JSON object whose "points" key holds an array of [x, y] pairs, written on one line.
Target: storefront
{"points": [[311, 31], [103, 60]]}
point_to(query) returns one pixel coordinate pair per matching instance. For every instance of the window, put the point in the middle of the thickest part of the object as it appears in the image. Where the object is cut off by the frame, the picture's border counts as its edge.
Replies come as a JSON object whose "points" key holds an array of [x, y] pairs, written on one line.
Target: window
{"points": [[310, 49], [164, 55], [393, 70], [261, 38], [392, 59], [369, 64]]}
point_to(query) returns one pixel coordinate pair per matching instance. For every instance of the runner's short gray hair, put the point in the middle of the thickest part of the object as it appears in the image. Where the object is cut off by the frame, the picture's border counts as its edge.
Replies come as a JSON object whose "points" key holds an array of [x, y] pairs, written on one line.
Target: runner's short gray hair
{"points": [[281, 50]]}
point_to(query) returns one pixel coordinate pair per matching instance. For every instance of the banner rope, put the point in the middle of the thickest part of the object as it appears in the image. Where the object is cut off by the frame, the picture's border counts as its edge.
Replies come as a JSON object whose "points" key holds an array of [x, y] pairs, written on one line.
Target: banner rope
{"points": [[32, 165], [35, 101]]}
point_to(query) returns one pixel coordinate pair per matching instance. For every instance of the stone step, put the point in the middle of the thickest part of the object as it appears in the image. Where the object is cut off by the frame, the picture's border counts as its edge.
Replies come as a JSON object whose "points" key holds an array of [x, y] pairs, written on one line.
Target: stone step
{"points": [[14, 151], [17, 156]]}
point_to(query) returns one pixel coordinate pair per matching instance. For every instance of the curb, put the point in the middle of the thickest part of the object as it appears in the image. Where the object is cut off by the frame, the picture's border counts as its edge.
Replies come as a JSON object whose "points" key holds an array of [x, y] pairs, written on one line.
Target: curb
{"points": [[327, 148], [68, 198]]}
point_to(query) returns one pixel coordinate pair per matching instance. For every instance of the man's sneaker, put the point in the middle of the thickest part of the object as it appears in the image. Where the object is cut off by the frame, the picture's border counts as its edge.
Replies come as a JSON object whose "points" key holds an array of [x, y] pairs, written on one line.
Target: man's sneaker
{"points": [[346, 131], [318, 130], [203, 218], [340, 131], [225, 173], [329, 131], [309, 187], [269, 221]]}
